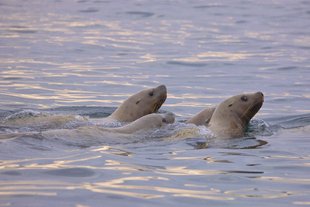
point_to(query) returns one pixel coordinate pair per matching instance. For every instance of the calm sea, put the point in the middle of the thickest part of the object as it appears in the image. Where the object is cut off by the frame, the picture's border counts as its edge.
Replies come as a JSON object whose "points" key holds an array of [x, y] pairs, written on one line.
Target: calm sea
{"points": [[84, 57]]}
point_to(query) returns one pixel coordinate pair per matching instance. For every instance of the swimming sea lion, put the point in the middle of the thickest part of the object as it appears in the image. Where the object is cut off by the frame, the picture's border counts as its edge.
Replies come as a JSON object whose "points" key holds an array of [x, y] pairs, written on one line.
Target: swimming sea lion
{"points": [[143, 124], [138, 105], [203, 117], [147, 122], [231, 117]]}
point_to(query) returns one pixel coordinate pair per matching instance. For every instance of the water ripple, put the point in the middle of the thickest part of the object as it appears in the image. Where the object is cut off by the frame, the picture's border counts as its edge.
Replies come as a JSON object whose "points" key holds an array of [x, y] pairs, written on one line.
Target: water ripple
{"points": [[67, 58]]}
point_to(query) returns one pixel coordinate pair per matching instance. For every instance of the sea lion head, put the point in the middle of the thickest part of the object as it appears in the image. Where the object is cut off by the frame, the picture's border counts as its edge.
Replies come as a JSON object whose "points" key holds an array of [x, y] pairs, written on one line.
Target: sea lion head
{"points": [[140, 104], [245, 106], [168, 118], [232, 116], [155, 120], [145, 123]]}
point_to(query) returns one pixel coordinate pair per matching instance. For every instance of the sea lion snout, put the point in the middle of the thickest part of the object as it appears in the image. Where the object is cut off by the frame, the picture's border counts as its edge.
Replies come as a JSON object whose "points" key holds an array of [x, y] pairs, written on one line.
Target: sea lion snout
{"points": [[159, 97], [162, 88], [169, 118], [260, 96], [260, 93], [161, 92]]}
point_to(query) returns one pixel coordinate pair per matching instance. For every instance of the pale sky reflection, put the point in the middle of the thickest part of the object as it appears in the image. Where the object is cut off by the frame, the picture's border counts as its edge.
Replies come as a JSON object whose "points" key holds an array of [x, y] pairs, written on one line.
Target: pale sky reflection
{"points": [[182, 170], [215, 56], [208, 194], [257, 193], [115, 187]]}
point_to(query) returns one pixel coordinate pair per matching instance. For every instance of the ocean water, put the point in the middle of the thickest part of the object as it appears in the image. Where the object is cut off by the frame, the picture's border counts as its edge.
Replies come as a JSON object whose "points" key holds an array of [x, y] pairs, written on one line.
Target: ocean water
{"points": [[83, 58]]}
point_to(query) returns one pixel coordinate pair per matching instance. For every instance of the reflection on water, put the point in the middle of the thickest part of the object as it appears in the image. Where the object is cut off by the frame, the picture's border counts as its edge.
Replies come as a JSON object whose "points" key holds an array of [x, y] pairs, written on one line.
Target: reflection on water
{"points": [[66, 45], [255, 193], [116, 174], [69, 58]]}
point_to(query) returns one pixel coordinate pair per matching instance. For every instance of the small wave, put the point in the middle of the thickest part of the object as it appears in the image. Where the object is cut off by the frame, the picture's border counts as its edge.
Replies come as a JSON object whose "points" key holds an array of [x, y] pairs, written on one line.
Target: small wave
{"points": [[289, 122], [258, 127], [287, 68], [184, 63], [183, 131], [90, 111], [29, 120], [140, 13], [211, 6], [89, 10], [244, 143], [22, 114], [23, 31], [71, 172]]}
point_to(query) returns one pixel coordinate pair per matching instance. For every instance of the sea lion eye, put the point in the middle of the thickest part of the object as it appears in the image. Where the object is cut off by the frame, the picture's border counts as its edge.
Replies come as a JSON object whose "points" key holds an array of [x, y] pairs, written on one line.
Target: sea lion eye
{"points": [[244, 98], [138, 102], [151, 93], [164, 120]]}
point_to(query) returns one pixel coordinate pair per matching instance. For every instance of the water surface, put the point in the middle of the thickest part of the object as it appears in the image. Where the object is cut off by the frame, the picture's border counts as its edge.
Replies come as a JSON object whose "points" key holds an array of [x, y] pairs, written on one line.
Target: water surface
{"points": [[85, 57]]}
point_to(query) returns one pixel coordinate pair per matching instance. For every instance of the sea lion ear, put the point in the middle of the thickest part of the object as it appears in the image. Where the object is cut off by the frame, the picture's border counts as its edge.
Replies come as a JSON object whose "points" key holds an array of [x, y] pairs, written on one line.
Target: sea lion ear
{"points": [[164, 120], [231, 102], [138, 101]]}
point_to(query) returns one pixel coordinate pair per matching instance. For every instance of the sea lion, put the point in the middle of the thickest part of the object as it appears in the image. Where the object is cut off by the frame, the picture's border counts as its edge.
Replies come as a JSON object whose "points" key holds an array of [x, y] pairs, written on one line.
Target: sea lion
{"points": [[203, 117], [145, 123], [231, 117], [90, 134], [140, 104]]}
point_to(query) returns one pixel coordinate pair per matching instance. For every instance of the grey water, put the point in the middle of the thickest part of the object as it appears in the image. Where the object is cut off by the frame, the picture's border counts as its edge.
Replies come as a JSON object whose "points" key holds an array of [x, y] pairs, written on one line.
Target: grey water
{"points": [[84, 57]]}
